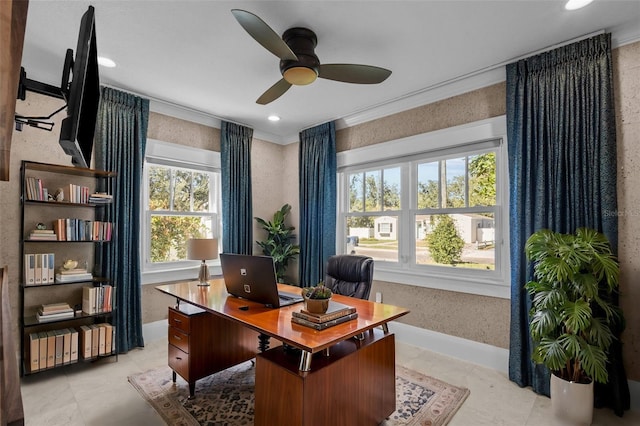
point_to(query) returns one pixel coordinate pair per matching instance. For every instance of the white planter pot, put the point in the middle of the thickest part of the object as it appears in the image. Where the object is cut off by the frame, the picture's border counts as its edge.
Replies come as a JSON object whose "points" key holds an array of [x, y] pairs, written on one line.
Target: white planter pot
{"points": [[571, 402]]}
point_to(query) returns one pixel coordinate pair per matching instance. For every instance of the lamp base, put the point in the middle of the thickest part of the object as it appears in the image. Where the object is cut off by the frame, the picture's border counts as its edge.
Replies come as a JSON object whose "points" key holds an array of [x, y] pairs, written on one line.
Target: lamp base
{"points": [[203, 276]]}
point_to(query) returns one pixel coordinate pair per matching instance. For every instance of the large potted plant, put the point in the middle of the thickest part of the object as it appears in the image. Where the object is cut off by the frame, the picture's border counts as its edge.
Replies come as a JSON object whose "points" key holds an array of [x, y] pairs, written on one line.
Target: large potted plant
{"points": [[278, 242], [572, 314]]}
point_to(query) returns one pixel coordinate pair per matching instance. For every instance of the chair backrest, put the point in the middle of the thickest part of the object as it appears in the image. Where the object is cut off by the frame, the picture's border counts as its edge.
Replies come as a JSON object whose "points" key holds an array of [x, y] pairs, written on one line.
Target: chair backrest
{"points": [[350, 275]]}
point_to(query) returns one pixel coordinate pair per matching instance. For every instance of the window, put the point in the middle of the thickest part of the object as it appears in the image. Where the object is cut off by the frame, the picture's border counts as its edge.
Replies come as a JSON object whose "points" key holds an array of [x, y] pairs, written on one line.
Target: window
{"points": [[181, 200], [436, 213]]}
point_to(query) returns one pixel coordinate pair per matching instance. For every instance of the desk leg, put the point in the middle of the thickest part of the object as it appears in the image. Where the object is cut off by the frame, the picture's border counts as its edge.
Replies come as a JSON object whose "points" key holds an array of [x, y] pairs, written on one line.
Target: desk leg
{"points": [[305, 361], [263, 342]]}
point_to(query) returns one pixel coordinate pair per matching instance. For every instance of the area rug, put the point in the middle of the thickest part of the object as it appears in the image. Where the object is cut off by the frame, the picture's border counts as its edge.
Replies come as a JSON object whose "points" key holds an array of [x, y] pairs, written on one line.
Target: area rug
{"points": [[226, 398]]}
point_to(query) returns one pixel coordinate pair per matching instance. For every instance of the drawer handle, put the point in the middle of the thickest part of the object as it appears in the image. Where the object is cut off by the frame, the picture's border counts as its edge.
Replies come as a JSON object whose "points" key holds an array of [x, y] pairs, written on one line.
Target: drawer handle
{"points": [[179, 358], [177, 320], [176, 337]]}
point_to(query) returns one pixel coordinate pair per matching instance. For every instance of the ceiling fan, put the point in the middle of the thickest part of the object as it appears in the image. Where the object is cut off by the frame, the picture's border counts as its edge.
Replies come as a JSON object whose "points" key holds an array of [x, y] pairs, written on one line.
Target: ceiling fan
{"points": [[299, 64]]}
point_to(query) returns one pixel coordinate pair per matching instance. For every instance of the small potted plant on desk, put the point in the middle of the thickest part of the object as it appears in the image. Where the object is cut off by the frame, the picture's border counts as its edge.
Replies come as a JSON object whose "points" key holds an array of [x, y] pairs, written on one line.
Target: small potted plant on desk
{"points": [[571, 315], [316, 299]]}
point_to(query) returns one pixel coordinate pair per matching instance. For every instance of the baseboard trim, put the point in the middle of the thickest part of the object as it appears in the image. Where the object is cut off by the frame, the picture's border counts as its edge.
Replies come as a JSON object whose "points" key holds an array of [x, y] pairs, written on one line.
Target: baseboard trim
{"points": [[456, 347], [467, 350]]}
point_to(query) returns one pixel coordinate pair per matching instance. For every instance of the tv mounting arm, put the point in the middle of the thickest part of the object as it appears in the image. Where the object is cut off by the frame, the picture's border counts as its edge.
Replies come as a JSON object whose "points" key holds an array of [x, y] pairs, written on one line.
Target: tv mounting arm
{"points": [[44, 89]]}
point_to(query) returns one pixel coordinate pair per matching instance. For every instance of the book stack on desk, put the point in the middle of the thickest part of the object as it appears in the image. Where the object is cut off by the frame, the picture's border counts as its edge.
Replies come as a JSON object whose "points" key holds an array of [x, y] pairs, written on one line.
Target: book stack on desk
{"points": [[337, 313]]}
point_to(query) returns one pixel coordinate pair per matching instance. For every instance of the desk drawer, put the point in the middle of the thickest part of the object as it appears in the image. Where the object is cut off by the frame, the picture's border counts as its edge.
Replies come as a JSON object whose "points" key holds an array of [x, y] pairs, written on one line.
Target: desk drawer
{"points": [[179, 339], [179, 362], [179, 321]]}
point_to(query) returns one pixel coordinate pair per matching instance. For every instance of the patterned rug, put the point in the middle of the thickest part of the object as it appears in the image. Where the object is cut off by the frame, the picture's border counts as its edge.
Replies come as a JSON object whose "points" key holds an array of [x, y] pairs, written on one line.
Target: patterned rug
{"points": [[226, 398]]}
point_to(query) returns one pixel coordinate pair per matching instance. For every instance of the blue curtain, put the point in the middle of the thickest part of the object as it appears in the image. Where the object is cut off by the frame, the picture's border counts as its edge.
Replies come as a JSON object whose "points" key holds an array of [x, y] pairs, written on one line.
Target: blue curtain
{"points": [[562, 166], [121, 137], [317, 168], [237, 211]]}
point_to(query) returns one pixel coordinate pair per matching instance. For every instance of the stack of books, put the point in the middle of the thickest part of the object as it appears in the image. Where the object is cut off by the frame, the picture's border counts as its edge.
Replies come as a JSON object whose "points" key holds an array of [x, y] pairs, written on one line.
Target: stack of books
{"points": [[100, 198], [54, 312], [337, 313], [43, 235], [96, 300], [73, 275]]}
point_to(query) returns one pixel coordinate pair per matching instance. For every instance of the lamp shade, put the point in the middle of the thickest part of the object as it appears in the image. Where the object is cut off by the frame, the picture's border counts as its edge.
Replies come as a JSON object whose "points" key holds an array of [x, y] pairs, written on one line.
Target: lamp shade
{"points": [[202, 248]]}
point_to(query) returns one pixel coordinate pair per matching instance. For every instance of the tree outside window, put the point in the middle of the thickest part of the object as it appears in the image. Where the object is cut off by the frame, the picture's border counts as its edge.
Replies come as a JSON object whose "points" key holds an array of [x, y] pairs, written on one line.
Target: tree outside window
{"points": [[179, 207]]}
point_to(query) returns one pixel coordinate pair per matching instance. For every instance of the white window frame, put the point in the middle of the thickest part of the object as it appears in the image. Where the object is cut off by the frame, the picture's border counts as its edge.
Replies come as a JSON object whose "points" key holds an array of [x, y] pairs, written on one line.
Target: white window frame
{"points": [[174, 155], [452, 140]]}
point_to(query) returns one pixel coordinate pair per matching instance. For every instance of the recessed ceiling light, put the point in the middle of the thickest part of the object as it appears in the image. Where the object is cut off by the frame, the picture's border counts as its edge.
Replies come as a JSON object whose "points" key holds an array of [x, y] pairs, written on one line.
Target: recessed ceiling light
{"points": [[106, 62], [576, 4], [273, 118]]}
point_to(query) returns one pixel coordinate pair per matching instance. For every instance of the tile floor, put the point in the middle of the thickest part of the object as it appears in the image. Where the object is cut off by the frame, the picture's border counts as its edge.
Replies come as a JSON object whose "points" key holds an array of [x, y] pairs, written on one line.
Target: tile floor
{"points": [[99, 394]]}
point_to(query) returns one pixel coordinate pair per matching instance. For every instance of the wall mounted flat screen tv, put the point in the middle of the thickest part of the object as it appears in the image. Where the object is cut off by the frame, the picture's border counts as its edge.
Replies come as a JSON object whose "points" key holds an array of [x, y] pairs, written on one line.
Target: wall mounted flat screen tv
{"points": [[82, 94]]}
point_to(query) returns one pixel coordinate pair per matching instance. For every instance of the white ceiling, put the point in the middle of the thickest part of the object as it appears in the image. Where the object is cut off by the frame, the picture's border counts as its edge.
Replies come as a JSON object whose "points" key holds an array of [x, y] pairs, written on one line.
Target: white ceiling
{"points": [[194, 61]]}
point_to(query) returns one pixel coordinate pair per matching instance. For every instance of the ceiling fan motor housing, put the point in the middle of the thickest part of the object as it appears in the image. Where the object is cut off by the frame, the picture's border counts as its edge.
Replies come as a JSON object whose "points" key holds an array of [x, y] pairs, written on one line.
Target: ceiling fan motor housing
{"points": [[302, 42]]}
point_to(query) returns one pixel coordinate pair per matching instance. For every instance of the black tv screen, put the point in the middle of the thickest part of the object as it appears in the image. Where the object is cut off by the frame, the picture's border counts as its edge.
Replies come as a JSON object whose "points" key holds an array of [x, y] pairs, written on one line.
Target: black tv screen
{"points": [[82, 94]]}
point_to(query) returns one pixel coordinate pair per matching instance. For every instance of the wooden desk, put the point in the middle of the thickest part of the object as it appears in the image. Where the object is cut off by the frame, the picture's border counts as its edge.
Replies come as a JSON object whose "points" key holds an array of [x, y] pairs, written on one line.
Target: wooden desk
{"points": [[354, 384]]}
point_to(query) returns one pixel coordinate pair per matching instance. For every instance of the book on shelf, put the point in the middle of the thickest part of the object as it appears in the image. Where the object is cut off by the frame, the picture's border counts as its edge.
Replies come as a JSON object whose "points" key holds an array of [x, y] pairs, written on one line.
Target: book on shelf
{"points": [[74, 344], [43, 231], [59, 346], [74, 271], [73, 277], [42, 338], [38, 269], [51, 349], [95, 340], [85, 342], [326, 324], [55, 308], [43, 237], [100, 198], [335, 310], [34, 352], [66, 351], [29, 269], [54, 317]]}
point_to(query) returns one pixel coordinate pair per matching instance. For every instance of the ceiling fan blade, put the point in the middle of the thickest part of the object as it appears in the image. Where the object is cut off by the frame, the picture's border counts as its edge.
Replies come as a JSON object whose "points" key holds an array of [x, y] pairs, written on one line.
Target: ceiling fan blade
{"points": [[274, 92], [353, 73], [263, 34]]}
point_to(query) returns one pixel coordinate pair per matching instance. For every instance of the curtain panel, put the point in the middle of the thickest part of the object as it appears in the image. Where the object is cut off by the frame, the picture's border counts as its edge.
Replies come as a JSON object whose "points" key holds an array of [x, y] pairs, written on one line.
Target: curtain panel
{"points": [[237, 211], [121, 136], [317, 169], [562, 167]]}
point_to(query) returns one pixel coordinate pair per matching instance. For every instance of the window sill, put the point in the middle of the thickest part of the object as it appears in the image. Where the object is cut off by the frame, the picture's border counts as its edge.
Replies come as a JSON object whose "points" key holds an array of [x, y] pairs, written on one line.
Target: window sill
{"points": [[169, 275], [482, 287]]}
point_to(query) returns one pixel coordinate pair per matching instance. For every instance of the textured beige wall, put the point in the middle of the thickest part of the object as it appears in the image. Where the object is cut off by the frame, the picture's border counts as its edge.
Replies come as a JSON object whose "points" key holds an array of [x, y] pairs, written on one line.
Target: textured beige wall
{"points": [[626, 65], [467, 108], [479, 318], [181, 132]]}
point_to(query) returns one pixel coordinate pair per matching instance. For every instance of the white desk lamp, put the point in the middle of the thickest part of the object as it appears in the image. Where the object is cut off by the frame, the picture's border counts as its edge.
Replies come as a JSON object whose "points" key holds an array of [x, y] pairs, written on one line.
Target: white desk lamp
{"points": [[202, 249]]}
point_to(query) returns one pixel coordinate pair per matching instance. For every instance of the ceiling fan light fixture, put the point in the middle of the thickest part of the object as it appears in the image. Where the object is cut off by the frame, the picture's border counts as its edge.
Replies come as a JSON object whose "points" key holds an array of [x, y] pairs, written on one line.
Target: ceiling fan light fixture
{"points": [[300, 76], [576, 4]]}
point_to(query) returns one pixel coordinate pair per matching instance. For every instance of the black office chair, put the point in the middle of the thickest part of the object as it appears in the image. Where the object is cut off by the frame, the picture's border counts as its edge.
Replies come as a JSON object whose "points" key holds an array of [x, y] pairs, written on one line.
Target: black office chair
{"points": [[350, 275]]}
